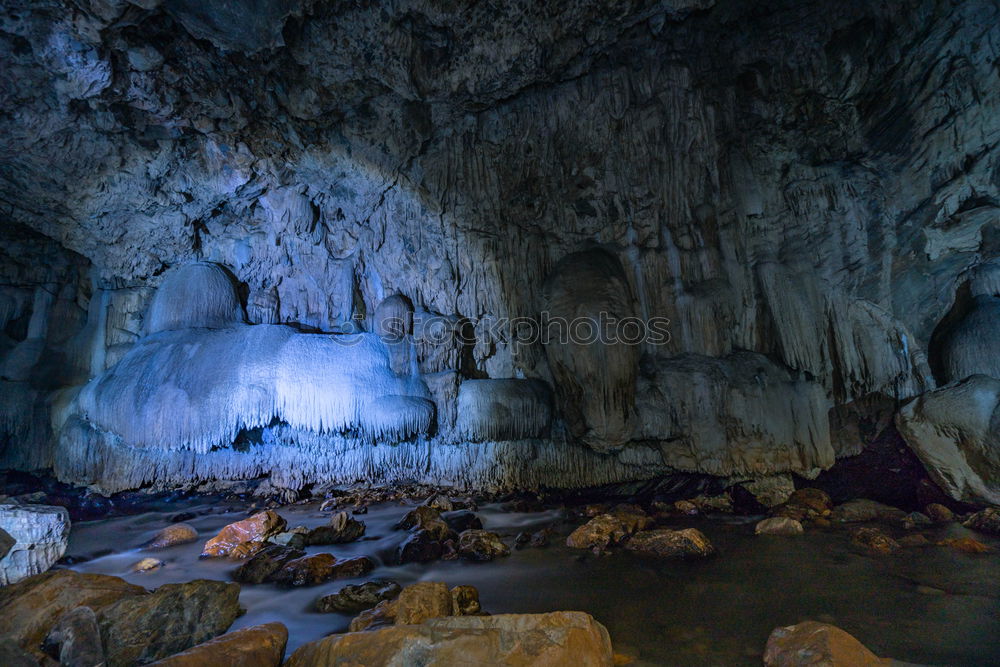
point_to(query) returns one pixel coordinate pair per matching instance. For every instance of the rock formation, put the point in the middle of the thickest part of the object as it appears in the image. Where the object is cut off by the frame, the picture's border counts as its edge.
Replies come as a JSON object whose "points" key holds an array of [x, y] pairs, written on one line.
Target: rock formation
{"points": [[211, 218]]}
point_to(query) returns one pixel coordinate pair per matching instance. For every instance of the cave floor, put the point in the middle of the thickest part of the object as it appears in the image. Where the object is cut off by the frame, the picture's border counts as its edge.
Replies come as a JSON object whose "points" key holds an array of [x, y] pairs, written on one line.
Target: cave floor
{"points": [[929, 605]]}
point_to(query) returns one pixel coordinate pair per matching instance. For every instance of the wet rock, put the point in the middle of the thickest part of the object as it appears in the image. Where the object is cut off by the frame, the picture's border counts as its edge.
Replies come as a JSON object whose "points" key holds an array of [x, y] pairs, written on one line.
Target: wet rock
{"points": [[6, 543], [358, 597], [985, 521], [441, 503], [778, 525], [341, 529], [811, 644], [40, 533], [172, 535], [939, 513], [381, 615], [965, 545], [558, 638], [664, 543], [465, 601], [175, 617], [266, 562], [418, 602], [295, 538], [29, 608], [915, 519], [685, 507], [426, 519], [916, 540], [462, 521], [246, 550], [75, 640], [600, 532], [806, 504], [481, 546], [865, 510], [255, 529], [256, 646], [146, 565], [632, 517], [719, 503], [420, 547], [319, 568], [874, 541]]}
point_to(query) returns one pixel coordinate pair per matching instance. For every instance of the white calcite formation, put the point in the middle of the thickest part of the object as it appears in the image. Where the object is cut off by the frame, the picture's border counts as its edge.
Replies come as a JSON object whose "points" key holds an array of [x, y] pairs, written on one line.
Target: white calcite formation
{"points": [[209, 215], [40, 533]]}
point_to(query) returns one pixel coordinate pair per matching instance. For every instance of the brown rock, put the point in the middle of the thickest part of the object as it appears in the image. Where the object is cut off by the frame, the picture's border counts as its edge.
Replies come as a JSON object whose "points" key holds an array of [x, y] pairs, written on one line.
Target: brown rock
{"points": [[939, 513], [598, 533], [814, 500], [175, 617], [812, 644], [76, 639], [265, 563], [306, 571], [632, 517], [341, 529], [359, 597], [465, 601], [257, 646], [428, 519], [381, 615], [875, 541], [914, 541], [12, 655], [966, 545], [778, 525], [985, 521], [146, 565], [426, 599], [257, 528], [863, 509], [664, 543], [29, 608], [481, 546], [559, 639], [172, 535], [686, 507]]}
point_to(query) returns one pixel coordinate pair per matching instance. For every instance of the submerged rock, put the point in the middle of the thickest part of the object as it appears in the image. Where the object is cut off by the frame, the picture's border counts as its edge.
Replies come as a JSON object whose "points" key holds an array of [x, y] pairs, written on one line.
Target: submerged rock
{"points": [[571, 639], [30, 608], [173, 618], [664, 543], [75, 641], [259, 567], [147, 565], [778, 525], [256, 646], [358, 597], [481, 546], [811, 644], [172, 535], [40, 534], [985, 521], [255, 529], [966, 545], [342, 528], [939, 513], [875, 541]]}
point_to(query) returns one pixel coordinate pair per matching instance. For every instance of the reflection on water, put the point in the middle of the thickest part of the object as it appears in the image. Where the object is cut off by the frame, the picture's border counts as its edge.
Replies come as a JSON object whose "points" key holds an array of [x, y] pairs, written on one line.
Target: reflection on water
{"points": [[931, 605]]}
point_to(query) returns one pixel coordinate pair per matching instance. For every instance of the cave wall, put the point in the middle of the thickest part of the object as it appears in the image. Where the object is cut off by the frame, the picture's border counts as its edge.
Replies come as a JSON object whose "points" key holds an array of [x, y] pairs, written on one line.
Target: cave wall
{"points": [[801, 189]]}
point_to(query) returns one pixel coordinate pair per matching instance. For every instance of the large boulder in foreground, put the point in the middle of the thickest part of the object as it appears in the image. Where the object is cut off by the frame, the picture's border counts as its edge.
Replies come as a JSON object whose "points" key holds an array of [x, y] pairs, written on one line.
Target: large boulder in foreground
{"points": [[257, 646], [813, 644], [559, 639], [955, 431], [175, 617], [29, 609], [40, 534]]}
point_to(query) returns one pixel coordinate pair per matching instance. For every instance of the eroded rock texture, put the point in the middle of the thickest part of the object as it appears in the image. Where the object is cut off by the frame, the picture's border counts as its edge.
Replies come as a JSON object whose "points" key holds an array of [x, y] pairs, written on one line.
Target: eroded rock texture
{"points": [[806, 190]]}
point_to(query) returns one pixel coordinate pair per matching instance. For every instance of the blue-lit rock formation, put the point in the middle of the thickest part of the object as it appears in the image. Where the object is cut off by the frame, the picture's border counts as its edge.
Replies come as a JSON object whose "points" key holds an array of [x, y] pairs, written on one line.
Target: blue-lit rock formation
{"points": [[806, 191]]}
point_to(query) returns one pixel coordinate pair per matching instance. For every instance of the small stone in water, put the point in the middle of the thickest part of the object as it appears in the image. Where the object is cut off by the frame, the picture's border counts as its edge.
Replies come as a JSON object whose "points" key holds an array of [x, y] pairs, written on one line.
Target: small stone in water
{"points": [[147, 565], [358, 597], [481, 546], [779, 525]]}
